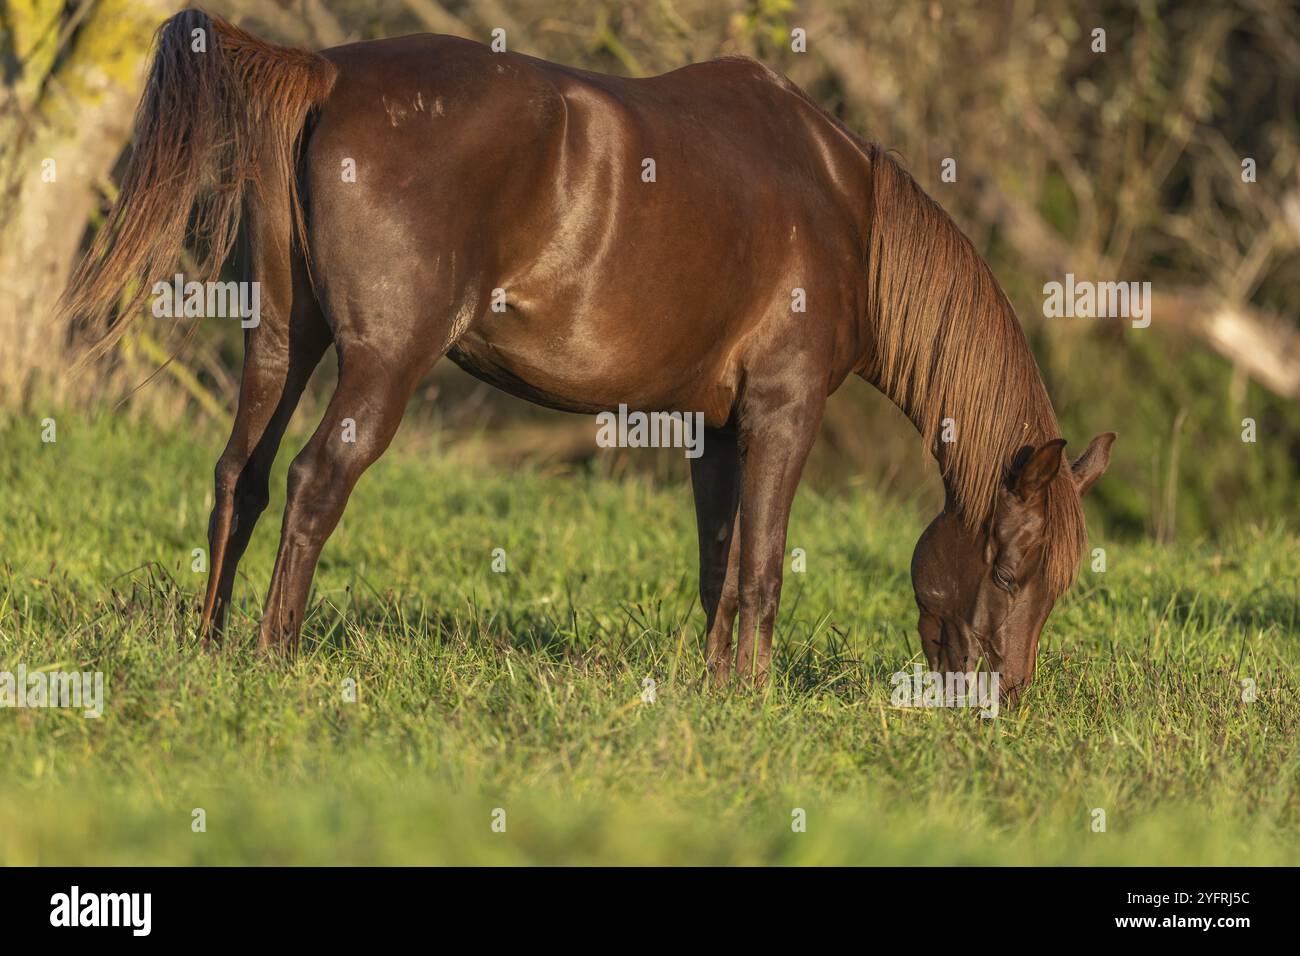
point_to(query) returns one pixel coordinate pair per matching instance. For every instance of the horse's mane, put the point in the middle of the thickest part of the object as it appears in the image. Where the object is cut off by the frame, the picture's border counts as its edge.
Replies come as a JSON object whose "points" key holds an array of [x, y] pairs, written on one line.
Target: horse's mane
{"points": [[948, 345]]}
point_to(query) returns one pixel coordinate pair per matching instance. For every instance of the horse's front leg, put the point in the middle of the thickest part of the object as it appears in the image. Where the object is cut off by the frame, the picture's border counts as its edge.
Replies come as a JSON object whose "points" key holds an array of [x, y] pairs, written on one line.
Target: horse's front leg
{"points": [[715, 481], [775, 438]]}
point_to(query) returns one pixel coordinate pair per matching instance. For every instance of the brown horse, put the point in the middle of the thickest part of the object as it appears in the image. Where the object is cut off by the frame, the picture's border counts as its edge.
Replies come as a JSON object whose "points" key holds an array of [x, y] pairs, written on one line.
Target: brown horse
{"points": [[705, 241]]}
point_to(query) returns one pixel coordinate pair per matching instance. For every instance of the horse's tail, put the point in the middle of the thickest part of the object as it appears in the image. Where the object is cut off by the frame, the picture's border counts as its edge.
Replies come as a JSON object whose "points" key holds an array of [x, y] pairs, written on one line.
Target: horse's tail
{"points": [[222, 110]]}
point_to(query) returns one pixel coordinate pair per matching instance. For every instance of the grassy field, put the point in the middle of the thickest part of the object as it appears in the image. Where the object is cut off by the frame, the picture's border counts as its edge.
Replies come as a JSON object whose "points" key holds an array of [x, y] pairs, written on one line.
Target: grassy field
{"points": [[521, 691]]}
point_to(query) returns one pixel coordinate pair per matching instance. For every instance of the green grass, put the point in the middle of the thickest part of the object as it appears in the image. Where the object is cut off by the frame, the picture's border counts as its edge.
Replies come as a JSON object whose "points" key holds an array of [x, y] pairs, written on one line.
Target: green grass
{"points": [[522, 690]]}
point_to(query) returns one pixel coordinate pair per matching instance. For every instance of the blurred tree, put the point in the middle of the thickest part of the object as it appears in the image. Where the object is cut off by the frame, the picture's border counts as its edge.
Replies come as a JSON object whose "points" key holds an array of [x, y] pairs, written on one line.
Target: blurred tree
{"points": [[71, 78]]}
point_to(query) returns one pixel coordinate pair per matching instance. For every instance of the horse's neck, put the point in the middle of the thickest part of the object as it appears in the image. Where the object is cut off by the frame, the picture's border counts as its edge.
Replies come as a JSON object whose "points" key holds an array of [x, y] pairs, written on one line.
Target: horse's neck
{"points": [[1002, 401], [944, 343]]}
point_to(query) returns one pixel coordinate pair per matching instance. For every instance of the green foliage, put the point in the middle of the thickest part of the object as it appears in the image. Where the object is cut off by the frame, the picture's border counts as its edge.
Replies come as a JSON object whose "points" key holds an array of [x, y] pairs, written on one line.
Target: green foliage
{"points": [[522, 690], [1180, 469]]}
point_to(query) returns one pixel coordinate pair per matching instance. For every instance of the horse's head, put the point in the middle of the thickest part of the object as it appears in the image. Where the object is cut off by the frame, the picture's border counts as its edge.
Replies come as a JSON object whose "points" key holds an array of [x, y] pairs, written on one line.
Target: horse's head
{"points": [[986, 592]]}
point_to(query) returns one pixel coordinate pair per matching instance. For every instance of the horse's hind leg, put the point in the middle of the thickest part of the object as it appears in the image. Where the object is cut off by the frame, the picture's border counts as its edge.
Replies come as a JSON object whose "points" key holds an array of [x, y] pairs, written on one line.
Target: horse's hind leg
{"points": [[372, 393], [280, 353], [715, 482]]}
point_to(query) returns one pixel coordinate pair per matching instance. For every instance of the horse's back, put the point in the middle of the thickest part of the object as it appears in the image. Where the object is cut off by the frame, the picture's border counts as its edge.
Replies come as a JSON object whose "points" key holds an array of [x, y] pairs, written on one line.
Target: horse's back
{"points": [[639, 230]]}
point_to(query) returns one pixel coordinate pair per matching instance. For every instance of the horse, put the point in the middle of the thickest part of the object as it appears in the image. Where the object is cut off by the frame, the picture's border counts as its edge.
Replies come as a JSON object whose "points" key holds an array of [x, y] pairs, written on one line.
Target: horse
{"points": [[708, 241]]}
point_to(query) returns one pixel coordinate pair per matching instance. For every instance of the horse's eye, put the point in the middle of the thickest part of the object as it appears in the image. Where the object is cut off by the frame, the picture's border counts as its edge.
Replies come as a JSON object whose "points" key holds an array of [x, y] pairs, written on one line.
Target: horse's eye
{"points": [[1003, 579]]}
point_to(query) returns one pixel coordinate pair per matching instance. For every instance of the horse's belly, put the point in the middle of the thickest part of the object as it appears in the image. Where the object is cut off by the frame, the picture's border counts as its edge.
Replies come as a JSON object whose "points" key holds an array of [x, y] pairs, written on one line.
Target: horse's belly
{"points": [[577, 365]]}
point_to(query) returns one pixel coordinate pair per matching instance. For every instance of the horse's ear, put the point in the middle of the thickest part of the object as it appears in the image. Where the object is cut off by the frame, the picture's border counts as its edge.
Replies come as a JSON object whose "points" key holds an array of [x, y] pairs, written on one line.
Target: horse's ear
{"points": [[1039, 468], [1091, 465]]}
